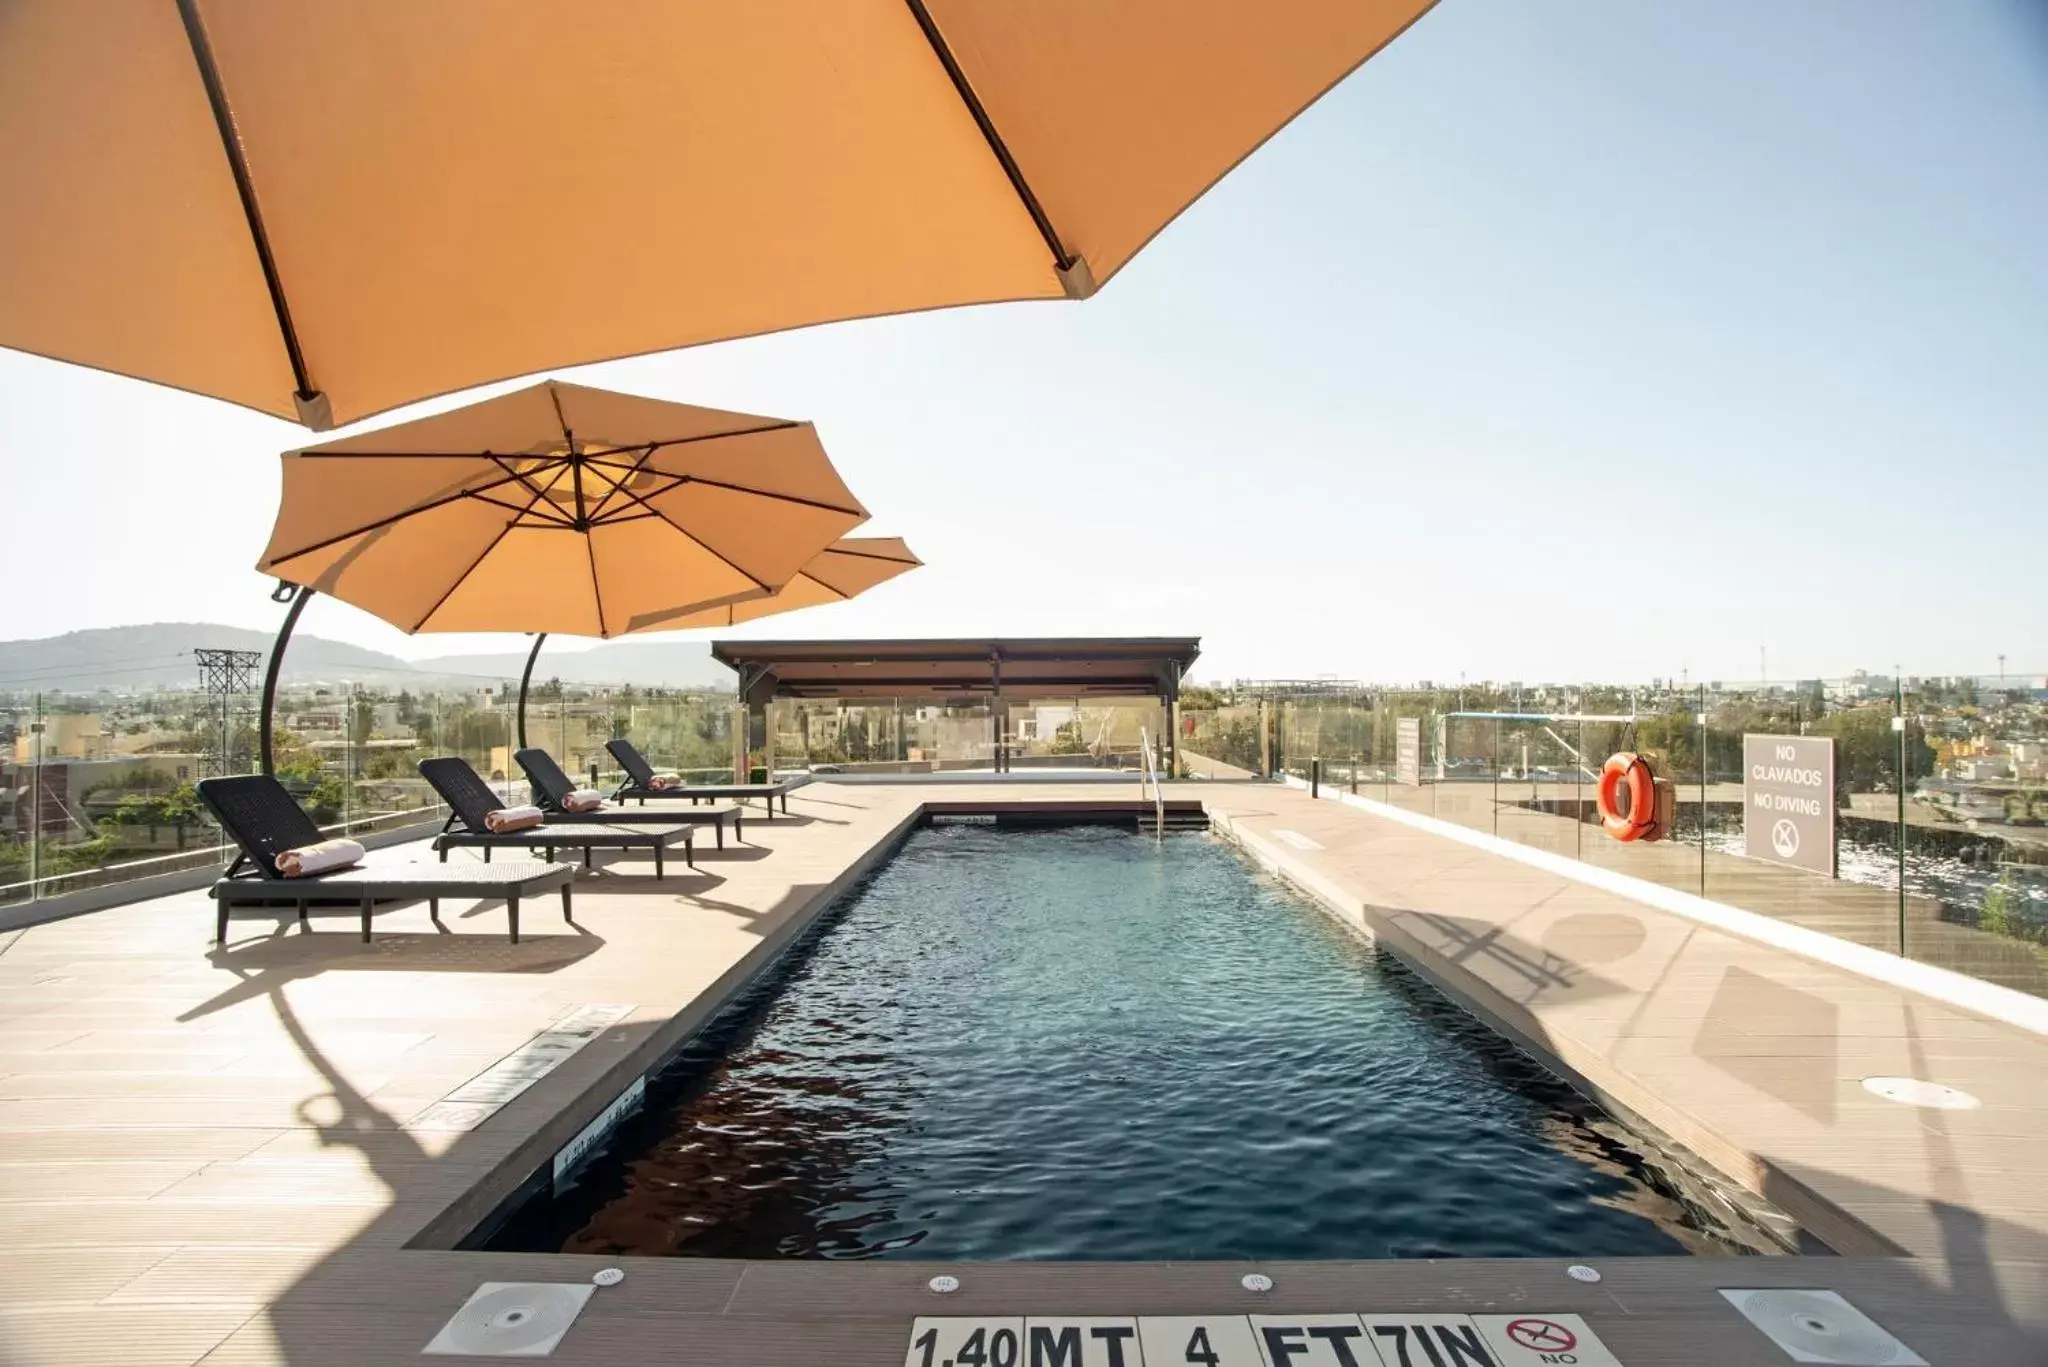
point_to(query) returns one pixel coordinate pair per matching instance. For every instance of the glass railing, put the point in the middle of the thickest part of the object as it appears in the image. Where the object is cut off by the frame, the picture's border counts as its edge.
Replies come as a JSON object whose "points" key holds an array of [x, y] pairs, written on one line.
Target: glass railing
{"points": [[99, 789], [1940, 808], [1940, 803]]}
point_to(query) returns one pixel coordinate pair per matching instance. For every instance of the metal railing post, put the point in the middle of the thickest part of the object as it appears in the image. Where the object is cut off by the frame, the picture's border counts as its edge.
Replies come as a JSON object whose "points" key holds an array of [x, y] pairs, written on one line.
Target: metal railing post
{"points": [[35, 806], [1315, 776]]}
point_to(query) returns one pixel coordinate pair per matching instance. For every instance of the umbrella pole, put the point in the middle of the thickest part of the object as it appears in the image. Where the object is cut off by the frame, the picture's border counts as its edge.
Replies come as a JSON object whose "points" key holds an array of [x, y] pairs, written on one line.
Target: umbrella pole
{"points": [[525, 679], [297, 596]]}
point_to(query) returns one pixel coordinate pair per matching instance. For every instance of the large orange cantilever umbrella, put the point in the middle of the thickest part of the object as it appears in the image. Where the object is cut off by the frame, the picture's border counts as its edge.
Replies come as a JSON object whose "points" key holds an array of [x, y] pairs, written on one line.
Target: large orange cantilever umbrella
{"points": [[556, 508], [324, 211]]}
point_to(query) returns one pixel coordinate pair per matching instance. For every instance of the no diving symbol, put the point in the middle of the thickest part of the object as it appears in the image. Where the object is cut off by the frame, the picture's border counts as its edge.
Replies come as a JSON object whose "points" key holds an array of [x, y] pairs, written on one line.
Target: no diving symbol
{"points": [[1542, 1336], [1784, 838]]}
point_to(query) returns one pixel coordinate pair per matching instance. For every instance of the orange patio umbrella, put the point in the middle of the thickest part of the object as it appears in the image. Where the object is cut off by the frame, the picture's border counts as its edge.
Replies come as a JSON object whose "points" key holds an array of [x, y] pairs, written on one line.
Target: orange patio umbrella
{"points": [[556, 508], [325, 211]]}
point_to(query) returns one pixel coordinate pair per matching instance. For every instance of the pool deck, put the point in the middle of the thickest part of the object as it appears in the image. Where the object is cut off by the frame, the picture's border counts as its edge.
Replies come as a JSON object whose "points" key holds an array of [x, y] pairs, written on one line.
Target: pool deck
{"points": [[222, 1157]]}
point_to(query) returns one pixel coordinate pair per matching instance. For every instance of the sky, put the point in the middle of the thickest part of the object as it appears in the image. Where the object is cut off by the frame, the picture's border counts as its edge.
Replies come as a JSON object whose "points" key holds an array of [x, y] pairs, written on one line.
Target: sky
{"points": [[1588, 339]]}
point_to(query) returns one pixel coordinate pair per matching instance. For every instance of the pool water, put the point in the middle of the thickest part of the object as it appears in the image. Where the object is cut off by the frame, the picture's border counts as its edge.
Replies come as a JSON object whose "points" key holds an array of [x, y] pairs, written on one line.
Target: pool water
{"points": [[1081, 1043]]}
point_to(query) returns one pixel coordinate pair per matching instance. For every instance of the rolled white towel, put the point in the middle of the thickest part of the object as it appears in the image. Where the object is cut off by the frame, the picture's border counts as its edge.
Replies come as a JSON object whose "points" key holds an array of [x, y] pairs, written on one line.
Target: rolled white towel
{"points": [[513, 819], [583, 800], [324, 857], [662, 782]]}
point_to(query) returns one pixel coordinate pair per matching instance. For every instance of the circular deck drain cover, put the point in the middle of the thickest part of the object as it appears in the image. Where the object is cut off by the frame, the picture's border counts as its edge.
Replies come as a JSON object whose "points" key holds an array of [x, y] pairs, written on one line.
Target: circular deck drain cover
{"points": [[512, 1319], [1579, 1272], [1913, 1091], [944, 1284], [1256, 1281], [1819, 1326]]}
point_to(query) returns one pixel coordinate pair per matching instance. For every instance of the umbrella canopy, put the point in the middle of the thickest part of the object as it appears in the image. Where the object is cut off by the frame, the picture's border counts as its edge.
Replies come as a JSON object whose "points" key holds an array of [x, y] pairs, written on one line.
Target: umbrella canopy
{"points": [[845, 569], [558, 509], [326, 211]]}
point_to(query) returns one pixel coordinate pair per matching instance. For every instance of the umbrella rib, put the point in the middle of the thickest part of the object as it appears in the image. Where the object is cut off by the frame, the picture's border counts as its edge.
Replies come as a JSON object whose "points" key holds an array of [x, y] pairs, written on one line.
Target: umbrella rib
{"points": [[766, 493], [459, 579], [779, 425], [965, 89], [870, 555], [245, 189], [525, 477], [712, 551], [384, 522], [394, 456], [624, 472], [555, 397], [551, 517], [596, 589]]}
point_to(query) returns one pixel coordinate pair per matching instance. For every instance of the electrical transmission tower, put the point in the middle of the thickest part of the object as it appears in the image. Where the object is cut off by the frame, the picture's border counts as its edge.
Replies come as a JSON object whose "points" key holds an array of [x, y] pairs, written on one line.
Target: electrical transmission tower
{"points": [[222, 675]]}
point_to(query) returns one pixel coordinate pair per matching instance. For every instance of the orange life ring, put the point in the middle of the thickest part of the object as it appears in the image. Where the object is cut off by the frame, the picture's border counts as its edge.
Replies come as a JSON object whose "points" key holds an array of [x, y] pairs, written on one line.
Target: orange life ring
{"points": [[1641, 818]]}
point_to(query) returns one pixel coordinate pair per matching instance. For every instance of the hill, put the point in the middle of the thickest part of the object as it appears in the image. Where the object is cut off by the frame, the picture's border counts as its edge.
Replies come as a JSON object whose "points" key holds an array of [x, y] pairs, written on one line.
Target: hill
{"points": [[159, 655]]}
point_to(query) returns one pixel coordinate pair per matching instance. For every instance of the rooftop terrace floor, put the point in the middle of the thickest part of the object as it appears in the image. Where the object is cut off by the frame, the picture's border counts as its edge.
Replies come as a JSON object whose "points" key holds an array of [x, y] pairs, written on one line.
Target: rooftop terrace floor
{"points": [[223, 1156]]}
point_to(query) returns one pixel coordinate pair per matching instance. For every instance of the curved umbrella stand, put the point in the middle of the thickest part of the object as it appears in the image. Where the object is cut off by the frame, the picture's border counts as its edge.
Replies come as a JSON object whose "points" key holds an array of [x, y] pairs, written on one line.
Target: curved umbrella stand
{"points": [[526, 677], [297, 595]]}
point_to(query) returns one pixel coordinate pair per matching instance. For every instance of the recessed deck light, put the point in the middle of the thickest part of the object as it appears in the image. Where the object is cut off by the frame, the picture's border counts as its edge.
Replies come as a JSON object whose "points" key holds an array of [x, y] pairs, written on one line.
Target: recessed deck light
{"points": [[1913, 1091]]}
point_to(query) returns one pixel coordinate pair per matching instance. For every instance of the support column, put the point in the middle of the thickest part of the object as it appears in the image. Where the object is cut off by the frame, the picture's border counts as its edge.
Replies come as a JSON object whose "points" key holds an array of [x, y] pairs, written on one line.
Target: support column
{"points": [[1170, 704], [997, 717], [741, 715], [768, 739]]}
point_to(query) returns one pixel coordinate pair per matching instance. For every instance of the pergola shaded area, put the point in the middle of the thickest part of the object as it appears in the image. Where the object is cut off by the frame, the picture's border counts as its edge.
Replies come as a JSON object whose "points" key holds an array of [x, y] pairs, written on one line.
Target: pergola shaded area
{"points": [[990, 669]]}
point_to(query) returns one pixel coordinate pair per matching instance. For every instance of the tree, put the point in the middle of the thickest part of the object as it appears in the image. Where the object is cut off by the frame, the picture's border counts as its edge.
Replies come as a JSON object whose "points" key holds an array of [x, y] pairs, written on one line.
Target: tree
{"points": [[178, 807], [292, 757], [1867, 749], [1068, 740], [324, 803]]}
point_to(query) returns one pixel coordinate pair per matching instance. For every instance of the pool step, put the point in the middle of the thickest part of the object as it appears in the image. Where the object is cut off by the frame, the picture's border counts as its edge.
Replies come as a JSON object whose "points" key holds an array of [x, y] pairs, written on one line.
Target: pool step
{"points": [[1177, 819]]}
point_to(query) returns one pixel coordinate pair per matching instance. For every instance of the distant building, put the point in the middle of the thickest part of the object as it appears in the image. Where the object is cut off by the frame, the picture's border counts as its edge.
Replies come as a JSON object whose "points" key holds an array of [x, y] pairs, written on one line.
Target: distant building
{"points": [[68, 735]]}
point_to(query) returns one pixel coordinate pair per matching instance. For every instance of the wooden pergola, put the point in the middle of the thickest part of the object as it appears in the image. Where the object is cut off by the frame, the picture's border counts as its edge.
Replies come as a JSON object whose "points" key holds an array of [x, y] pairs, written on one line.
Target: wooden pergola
{"points": [[1078, 667]]}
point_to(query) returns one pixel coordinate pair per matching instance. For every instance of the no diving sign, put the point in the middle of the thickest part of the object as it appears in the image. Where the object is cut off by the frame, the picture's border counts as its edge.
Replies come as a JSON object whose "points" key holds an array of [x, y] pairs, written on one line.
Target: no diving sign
{"points": [[1788, 800], [1335, 1339], [1544, 1341]]}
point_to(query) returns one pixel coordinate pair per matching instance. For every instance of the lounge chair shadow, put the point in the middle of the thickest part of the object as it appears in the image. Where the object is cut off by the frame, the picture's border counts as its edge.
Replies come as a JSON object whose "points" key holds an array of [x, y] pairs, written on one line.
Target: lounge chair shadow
{"points": [[263, 966], [685, 898], [1463, 939], [733, 853], [805, 819], [828, 802]]}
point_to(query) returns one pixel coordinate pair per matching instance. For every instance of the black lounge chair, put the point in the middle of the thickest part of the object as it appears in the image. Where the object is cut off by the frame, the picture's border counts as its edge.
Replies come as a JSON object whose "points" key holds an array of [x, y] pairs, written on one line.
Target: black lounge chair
{"points": [[263, 821], [640, 783], [551, 785], [471, 801]]}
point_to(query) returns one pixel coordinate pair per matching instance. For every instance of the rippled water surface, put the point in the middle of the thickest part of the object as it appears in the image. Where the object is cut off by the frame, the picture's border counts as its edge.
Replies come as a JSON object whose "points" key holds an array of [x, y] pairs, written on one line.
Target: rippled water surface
{"points": [[1086, 1044]]}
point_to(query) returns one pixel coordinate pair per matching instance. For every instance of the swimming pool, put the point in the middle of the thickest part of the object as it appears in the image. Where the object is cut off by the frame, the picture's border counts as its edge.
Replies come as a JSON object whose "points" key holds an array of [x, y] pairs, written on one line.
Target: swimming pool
{"points": [[1081, 1043]]}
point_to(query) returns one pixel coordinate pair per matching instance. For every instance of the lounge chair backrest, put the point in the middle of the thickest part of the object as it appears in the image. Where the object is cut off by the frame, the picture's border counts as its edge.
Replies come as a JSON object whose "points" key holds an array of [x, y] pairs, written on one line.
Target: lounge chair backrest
{"points": [[632, 761], [259, 816], [550, 784], [463, 789]]}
